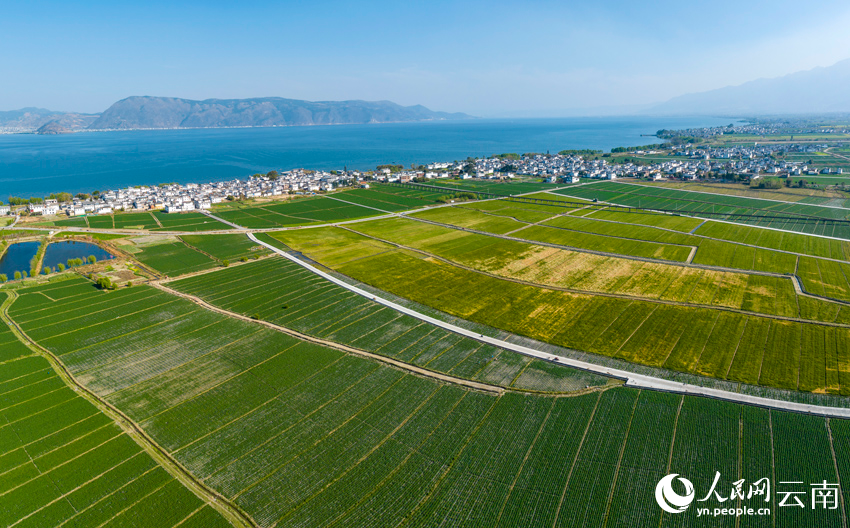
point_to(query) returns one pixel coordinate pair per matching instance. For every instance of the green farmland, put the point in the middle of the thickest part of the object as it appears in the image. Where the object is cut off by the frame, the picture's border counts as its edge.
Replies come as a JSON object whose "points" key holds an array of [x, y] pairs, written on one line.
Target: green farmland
{"points": [[707, 341], [340, 206], [152, 221], [65, 463], [286, 294], [658, 237], [233, 386], [797, 217], [296, 434]]}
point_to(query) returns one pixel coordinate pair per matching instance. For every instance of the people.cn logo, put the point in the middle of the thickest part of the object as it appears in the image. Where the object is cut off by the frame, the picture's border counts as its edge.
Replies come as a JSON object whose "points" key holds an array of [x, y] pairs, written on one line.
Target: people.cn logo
{"points": [[669, 500]]}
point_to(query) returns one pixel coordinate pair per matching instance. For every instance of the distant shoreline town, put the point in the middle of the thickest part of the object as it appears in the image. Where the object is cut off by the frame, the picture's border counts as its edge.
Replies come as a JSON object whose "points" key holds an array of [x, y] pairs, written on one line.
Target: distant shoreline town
{"points": [[685, 163], [679, 158]]}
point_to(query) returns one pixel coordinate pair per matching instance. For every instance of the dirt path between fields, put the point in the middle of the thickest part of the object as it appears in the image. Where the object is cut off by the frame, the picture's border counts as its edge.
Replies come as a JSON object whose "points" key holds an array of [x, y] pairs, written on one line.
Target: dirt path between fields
{"points": [[484, 387], [798, 286], [632, 379], [220, 503]]}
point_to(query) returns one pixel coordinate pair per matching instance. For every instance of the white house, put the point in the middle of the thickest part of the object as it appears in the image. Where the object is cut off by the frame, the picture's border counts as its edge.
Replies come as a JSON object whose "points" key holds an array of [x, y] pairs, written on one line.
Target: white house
{"points": [[5, 209], [35, 208]]}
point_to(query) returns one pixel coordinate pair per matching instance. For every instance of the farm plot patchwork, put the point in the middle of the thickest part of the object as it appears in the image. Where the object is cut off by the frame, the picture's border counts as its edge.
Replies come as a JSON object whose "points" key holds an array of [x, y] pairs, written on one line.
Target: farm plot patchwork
{"points": [[169, 255], [588, 272], [225, 247], [303, 211], [680, 338], [134, 221], [390, 198], [188, 222], [814, 246], [786, 216], [300, 435], [281, 292], [645, 241], [63, 462]]}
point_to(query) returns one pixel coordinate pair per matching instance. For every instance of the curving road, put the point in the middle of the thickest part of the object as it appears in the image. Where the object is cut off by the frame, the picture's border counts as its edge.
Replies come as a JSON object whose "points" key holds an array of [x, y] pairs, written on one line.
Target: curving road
{"points": [[632, 380]]}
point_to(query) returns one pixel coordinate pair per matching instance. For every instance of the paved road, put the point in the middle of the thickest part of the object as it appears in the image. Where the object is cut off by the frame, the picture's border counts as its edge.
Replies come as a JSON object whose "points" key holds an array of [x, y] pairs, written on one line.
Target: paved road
{"points": [[632, 379]]}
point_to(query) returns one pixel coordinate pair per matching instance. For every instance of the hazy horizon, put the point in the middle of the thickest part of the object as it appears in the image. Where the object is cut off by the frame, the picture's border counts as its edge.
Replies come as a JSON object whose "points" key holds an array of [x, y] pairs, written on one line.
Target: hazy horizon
{"points": [[506, 60]]}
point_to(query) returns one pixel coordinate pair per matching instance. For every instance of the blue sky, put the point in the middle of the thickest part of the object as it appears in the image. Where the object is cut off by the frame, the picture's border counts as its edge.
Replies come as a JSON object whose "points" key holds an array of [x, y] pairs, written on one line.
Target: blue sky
{"points": [[484, 58]]}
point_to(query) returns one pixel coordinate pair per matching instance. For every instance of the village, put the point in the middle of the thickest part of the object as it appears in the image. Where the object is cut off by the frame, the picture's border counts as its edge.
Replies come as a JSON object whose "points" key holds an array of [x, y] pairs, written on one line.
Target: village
{"points": [[667, 162]]}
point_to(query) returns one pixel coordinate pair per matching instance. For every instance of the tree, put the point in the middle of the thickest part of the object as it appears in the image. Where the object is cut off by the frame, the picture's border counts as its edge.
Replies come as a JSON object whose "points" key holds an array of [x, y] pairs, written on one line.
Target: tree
{"points": [[225, 263], [17, 275], [46, 270], [104, 283], [82, 196], [92, 259], [272, 175], [60, 267], [3, 277], [24, 274], [61, 197]]}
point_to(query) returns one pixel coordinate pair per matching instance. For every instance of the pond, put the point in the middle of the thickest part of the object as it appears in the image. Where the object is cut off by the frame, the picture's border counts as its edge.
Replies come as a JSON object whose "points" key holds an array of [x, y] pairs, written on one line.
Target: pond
{"points": [[17, 258], [61, 252]]}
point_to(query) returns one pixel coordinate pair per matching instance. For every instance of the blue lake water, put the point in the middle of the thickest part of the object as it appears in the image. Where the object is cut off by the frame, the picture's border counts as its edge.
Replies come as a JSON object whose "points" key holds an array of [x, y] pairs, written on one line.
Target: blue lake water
{"points": [[61, 252], [32, 165], [17, 258]]}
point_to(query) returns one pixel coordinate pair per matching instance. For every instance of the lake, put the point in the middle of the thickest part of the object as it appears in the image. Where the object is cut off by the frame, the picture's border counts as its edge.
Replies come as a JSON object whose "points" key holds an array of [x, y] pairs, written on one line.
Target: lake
{"points": [[17, 258], [19, 255], [61, 252], [33, 165]]}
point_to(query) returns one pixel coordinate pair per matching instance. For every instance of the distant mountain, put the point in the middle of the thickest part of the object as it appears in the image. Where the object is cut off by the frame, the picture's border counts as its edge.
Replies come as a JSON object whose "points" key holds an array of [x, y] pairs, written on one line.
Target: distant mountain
{"points": [[31, 119], [170, 112], [821, 90], [52, 128]]}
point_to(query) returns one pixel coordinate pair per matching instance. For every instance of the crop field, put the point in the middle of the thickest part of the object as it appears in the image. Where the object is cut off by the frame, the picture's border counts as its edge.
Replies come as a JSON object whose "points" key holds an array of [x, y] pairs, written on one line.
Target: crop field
{"points": [[691, 339], [281, 292], [472, 219], [72, 222], [390, 197], [302, 211], [225, 247], [134, 221], [187, 222], [168, 255], [62, 461], [729, 246], [300, 435], [591, 273], [767, 238], [832, 197], [506, 188], [804, 218]]}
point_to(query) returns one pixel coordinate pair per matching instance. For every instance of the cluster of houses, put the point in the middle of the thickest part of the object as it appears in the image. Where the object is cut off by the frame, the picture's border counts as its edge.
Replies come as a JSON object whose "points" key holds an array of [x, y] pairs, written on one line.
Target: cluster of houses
{"points": [[687, 163], [764, 128], [173, 198], [683, 162]]}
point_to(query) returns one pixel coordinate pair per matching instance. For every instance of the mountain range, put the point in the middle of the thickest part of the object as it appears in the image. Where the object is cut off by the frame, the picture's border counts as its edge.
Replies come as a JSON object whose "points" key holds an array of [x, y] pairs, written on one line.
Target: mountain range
{"points": [[816, 91], [144, 112]]}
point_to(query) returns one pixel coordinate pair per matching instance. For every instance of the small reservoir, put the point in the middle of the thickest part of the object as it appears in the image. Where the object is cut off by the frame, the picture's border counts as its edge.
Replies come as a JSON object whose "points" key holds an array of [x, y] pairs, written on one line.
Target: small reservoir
{"points": [[18, 257], [61, 252]]}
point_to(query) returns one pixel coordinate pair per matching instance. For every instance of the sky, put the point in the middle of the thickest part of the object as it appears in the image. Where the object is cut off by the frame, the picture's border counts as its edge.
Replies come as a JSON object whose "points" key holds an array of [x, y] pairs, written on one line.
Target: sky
{"points": [[485, 58]]}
